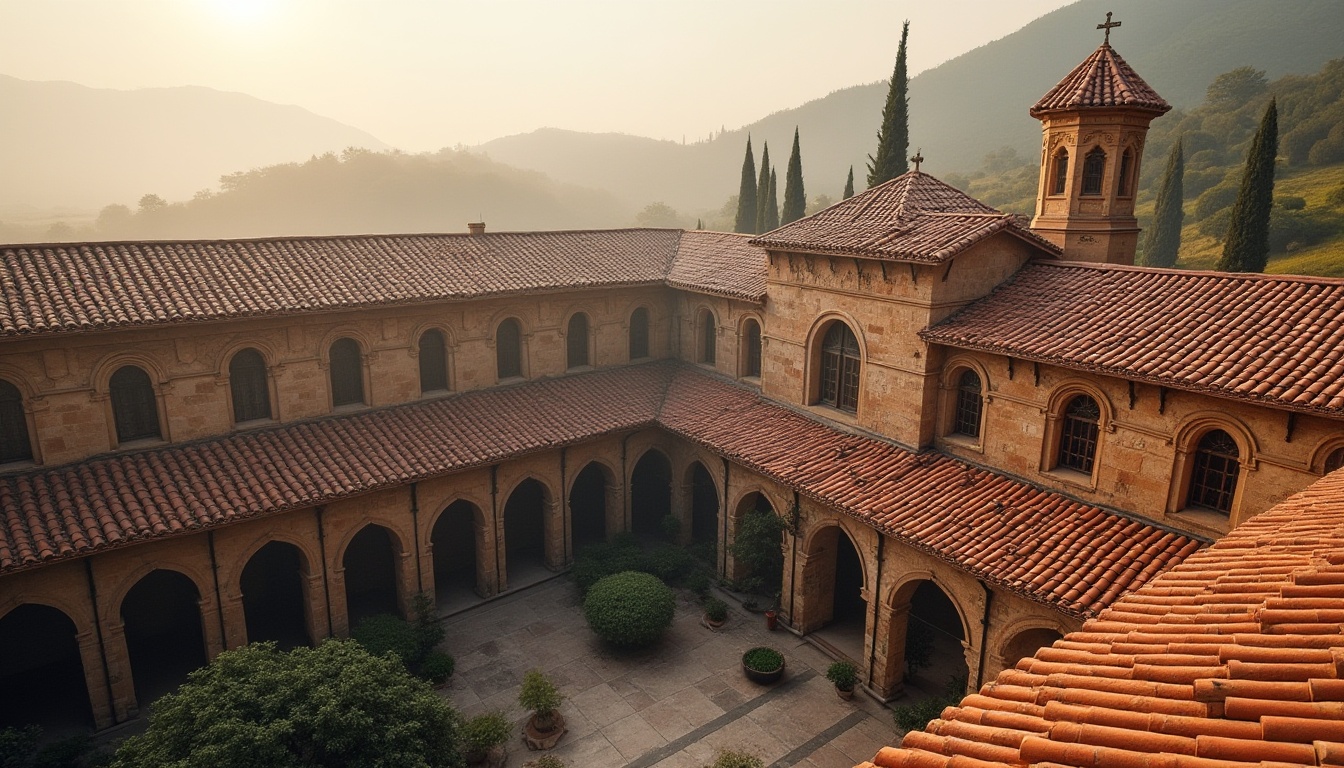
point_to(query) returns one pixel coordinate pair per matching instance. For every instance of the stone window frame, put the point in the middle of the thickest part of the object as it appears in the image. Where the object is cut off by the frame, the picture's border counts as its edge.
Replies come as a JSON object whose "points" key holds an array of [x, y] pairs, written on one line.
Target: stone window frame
{"points": [[1127, 178], [449, 345], [522, 357], [224, 379], [1327, 449], [1061, 397], [706, 337], [357, 375], [160, 383], [744, 347], [589, 339], [950, 391], [813, 382], [28, 402], [630, 333], [1093, 167], [1059, 176], [1186, 443]]}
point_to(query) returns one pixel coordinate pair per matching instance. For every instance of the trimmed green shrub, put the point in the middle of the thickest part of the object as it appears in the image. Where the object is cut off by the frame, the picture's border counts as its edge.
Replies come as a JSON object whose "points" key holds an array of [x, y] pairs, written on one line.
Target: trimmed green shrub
{"points": [[1291, 202], [763, 659], [384, 634], [915, 717], [667, 562], [716, 609], [669, 527], [629, 609], [546, 761], [732, 759], [538, 694], [844, 674], [482, 732], [437, 667]]}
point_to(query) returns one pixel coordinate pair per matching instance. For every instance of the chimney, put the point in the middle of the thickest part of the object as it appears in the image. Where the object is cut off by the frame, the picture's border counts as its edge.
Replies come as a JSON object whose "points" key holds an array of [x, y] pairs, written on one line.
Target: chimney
{"points": [[476, 227]]}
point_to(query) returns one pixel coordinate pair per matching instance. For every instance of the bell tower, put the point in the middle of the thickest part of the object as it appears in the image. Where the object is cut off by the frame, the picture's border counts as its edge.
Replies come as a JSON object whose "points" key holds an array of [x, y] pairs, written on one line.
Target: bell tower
{"points": [[1093, 125]]}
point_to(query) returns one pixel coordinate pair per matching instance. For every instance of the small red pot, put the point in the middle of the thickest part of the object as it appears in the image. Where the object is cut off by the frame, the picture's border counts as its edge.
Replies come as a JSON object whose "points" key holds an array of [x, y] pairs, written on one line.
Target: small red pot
{"points": [[771, 620]]}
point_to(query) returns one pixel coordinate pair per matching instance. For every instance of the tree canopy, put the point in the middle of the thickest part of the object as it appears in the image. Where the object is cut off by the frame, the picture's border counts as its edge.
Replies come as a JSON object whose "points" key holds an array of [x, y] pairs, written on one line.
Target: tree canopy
{"points": [[746, 196], [893, 139], [1247, 246], [795, 199], [1164, 239]]}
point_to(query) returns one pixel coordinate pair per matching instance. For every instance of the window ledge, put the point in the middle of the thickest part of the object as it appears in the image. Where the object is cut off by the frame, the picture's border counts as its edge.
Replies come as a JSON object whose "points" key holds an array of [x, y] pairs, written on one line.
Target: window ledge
{"points": [[835, 414], [964, 442], [580, 368], [1203, 521], [754, 381], [511, 380], [435, 394], [243, 426], [1072, 477], [18, 465], [349, 407], [143, 442]]}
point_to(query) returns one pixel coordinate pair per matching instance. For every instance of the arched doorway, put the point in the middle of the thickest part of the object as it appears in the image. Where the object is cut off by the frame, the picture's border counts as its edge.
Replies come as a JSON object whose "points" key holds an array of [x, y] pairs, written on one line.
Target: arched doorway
{"points": [[453, 542], [756, 559], [927, 639], [525, 534], [650, 494], [833, 592], [1027, 642], [370, 563], [704, 506], [588, 507], [164, 637], [41, 671], [274, 603]]}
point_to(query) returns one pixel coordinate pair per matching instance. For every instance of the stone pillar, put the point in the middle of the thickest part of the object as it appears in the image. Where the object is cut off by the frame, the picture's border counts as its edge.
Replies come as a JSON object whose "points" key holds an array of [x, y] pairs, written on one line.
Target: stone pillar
{"points": [[553, 523], [406, 584], [681, 508], [615, 510], [889, 664], [487, 553], [210, 628], [315, 607], [124, 705], [235, 620], [91, 658], [340, 618]]}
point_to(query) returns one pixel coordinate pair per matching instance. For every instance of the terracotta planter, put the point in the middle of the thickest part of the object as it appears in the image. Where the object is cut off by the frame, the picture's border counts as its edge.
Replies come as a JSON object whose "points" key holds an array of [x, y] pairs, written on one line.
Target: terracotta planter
{"points": [[708, 622], [844, 693], [759, 677], [771, 620], [539, 733]]}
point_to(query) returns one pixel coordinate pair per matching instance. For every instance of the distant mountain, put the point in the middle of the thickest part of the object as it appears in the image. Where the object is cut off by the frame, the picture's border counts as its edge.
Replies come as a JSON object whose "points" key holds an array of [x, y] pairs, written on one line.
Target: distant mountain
{"points": [[960, 110], [71, 145]]}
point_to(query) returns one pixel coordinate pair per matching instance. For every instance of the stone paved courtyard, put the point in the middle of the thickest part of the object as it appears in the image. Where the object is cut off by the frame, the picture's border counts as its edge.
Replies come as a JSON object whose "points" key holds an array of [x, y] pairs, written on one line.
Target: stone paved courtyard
{"points": [[676, 704]]}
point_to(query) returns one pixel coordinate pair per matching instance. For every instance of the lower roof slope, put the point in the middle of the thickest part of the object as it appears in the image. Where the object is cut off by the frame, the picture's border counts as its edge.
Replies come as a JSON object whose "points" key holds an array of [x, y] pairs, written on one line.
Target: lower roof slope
{"points": [[1232, 659], [1043, 546]]}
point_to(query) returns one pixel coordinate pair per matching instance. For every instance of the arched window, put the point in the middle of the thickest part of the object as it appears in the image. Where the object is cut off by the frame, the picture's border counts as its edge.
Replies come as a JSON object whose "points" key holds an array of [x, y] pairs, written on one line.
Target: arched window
{"points": [[1078, 434], [1094, 167], [966, 418], [247, 383], [576, 341], [1061, 177], [509, 349], [1334, 461], [1127, 172], [751, 353], [709, 339], [639, 333], [14, 442], [840, 368], [134, 406], [433, 357], [347, 373], [1213, 480]]}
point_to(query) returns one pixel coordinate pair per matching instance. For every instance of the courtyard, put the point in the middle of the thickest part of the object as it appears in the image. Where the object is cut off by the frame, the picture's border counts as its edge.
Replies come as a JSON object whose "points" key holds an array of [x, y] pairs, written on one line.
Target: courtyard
{"points": [[676, 704]]}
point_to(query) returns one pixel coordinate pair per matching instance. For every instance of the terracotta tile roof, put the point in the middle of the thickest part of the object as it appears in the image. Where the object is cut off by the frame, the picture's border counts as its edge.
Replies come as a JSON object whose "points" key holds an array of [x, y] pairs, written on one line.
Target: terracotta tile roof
{"points": [[1233, 658], [1274, 340], [913, 217], [77, 287], [723, 263], [1048, 548], [1102, 80]]}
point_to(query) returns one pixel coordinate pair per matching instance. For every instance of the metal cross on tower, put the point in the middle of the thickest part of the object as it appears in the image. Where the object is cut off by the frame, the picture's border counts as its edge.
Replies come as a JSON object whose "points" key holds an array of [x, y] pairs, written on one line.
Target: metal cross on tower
{"points": [[917, 159], [1107, 26]]}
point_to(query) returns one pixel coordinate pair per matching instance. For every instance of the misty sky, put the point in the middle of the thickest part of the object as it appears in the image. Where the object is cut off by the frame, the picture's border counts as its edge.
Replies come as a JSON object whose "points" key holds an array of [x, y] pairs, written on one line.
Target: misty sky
{"points": [[423, 74]]}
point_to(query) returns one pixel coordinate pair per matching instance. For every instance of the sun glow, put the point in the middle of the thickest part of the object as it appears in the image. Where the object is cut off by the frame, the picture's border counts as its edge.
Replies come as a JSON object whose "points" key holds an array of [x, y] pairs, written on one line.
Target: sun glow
{"points": [[243, 12]]}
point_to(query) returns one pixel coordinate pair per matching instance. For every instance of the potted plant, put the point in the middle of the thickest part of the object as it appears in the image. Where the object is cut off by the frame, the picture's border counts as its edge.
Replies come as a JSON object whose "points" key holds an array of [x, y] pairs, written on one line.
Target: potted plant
{"points": [[716, 612], [763, 665], [483, 739], [845, 676], [545, 727]]}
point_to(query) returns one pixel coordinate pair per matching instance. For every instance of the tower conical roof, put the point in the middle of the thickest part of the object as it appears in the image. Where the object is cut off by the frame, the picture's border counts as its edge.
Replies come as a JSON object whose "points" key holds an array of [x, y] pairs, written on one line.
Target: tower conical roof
{"points": [[1102, 80]]}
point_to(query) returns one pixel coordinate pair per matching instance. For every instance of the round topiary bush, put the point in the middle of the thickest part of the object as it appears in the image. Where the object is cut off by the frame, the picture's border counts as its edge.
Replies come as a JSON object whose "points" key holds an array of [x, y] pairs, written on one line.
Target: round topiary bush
{"points": [[629, 609]]}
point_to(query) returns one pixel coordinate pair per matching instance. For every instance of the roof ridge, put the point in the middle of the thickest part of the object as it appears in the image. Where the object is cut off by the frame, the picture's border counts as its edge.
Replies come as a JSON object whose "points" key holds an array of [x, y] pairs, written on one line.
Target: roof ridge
{"points": [[345, 236], [1178, 272]]}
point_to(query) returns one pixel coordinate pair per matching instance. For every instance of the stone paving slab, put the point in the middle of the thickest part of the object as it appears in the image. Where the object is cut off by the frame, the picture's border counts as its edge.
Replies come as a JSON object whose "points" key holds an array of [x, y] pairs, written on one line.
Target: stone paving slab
{"points": [[671, 706]]}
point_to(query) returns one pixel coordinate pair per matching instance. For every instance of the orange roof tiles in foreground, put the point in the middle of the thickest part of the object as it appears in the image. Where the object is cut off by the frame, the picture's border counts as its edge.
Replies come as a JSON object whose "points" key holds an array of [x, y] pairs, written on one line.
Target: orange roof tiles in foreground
{"points": [[61, 288], [1232, 659], [1045, 547], [1275, 340]]}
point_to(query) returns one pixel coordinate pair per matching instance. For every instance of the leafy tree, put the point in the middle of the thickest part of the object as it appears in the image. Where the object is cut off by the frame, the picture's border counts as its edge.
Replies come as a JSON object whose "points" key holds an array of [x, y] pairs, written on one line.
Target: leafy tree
{"points": [[1247, 246], [336, 704], [820, 202], [658, 214], [772, 204], [763, 189], [849, 185], [893, 140], [757, 549], [1164, 240], [1232, 89], [746, 196], [795, 199], [152, 202]]}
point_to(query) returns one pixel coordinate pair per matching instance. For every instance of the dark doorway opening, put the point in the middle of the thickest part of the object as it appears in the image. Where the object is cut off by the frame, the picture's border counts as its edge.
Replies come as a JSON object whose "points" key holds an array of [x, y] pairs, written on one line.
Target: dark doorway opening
{"points": [[525, 534], [650, 494], [934, 651], [453, 541], [370, 564], [41, 673], [588, 507], [704, 506], [273, 599], [162, 616]]}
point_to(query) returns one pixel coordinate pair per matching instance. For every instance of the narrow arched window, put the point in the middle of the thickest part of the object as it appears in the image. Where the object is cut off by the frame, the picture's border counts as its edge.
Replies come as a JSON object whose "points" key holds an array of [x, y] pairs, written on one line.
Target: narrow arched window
{"points": [[1061, 178], [1213, 480], [576, 341], [840, 368], [966, 419], [15, 444], [1127, 173], [433, 357], [347, 373], [1094, 167], [134, 406], [509, 349], [248, 386], [639, 333], [1078, 434], [709, 338], [1334, 461], [751, 355]]}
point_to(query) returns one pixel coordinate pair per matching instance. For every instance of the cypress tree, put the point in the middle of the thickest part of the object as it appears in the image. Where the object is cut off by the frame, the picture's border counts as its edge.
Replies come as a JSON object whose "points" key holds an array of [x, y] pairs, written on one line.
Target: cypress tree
{"points": [[893, 140], [746, 196], [795, 200], [849, 184], [1164, 239], [763, 188], [1247, 246], [772, 205]]}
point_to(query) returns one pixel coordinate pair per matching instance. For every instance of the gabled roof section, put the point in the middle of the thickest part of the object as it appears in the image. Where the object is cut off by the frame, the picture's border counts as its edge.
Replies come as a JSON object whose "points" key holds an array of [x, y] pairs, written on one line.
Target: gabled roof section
{"points": [[1045, 547], [722, 263], [1273, 340], [1232, 659], [62, 288], [1102, 80], [914, 217]]}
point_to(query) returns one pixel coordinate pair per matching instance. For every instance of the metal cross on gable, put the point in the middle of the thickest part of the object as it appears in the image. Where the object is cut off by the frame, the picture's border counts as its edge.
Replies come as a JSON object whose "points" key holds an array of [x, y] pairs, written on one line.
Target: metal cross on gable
{"points": [[917, 159], [1107, 26]]}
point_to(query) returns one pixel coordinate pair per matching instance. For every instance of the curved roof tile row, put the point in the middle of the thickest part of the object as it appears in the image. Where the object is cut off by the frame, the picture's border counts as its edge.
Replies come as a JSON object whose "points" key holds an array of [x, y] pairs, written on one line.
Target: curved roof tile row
{"points": [[1040, 545], [1101, 80]]}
